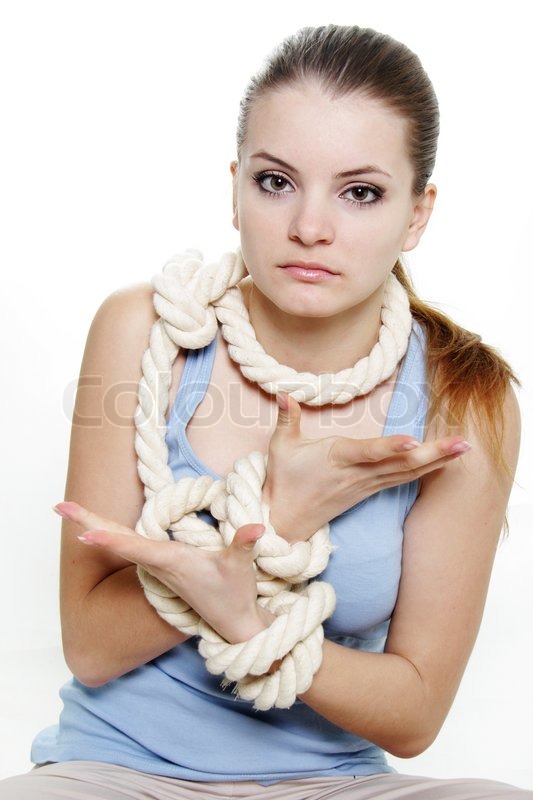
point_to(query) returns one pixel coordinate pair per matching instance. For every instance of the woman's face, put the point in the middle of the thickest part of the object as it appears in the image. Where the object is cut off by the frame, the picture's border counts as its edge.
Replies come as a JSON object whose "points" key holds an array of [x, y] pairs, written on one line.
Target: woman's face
{"points": [[323, 199]]}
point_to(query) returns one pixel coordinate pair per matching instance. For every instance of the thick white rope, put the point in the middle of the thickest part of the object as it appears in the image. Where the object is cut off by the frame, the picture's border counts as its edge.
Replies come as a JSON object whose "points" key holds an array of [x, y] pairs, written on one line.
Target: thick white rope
{"points": [[189, 297]]}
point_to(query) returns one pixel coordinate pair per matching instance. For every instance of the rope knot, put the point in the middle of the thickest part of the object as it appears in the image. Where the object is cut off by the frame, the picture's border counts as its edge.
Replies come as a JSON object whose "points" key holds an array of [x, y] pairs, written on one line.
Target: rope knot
{"points": [[185, 293]]}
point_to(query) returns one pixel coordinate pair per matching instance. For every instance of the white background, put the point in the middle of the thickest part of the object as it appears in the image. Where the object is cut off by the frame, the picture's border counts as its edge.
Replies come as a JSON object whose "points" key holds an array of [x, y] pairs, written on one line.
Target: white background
{"points": [[117, 129]]}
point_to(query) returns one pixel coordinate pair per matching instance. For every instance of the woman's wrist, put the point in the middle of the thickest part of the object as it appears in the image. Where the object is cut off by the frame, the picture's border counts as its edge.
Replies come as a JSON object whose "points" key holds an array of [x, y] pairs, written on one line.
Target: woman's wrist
{"points": [[244, 629], [291, 526]]}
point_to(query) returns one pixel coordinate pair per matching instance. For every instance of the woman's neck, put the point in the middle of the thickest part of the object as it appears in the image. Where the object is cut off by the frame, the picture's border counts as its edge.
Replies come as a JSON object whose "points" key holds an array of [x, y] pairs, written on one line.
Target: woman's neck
{"points": [[317, 344]]}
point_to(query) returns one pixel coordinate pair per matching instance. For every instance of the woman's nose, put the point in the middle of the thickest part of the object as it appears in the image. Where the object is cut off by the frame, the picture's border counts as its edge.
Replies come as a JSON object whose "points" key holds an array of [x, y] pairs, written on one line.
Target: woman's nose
{"points": [[311, 223]]}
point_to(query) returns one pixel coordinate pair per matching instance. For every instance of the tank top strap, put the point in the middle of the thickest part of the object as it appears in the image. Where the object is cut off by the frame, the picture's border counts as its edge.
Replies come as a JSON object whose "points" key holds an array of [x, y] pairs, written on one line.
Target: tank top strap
{"points": [[194, 383], [192, 388], [409, 403]]}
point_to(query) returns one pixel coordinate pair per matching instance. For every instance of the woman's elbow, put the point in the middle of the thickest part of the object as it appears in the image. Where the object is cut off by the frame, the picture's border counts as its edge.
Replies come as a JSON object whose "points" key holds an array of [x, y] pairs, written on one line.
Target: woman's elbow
{"points": [[413, 744], [89, 668]]}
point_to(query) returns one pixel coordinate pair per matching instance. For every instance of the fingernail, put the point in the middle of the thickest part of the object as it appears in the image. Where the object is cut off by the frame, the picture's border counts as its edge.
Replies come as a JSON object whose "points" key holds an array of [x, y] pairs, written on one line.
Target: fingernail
{"points": [[282, 400], [410, 445], [86, 538], [57, 508], [460, 448]]}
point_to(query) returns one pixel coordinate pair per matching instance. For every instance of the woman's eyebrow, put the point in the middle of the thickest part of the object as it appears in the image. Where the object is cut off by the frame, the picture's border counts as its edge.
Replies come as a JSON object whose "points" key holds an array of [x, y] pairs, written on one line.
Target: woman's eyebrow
{"points": [[350, 173], [369, 168], [275, 159]]}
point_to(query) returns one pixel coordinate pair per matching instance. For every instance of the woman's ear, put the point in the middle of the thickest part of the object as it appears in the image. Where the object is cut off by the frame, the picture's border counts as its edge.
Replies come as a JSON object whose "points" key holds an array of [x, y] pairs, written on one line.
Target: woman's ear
{"points": [[234, 168], [421, 214]]}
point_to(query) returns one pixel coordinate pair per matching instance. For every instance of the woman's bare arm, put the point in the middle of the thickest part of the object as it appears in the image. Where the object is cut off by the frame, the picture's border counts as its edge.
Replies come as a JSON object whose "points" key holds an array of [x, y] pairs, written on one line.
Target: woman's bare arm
{"points": [[108, 626], [400, 699]]}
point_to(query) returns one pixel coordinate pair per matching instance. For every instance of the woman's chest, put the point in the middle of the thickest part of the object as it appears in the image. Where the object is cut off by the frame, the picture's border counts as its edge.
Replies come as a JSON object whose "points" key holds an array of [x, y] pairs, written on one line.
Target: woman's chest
{"points": [[231, 417]]}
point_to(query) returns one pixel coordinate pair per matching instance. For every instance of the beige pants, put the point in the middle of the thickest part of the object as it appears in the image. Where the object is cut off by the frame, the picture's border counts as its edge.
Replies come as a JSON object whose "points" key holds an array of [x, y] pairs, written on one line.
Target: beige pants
{"points": [[87, 780]]}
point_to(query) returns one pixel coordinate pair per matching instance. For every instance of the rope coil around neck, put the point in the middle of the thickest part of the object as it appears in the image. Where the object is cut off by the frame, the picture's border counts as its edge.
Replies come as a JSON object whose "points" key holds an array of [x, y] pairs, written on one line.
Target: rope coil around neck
{"points": [[192, 298]]}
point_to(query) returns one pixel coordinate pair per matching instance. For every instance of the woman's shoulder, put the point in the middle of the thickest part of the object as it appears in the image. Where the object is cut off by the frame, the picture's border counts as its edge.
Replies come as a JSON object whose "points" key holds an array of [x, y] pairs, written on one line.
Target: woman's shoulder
{"points": [[130, 306], [120, 331]]}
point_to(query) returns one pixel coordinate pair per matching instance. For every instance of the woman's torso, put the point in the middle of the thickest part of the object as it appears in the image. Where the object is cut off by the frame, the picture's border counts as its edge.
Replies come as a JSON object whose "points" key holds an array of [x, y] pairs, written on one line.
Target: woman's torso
{"points": [[170, 716]]}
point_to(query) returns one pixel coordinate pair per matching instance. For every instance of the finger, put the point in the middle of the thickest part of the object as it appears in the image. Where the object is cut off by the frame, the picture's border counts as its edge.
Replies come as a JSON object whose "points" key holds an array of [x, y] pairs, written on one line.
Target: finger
{"points": [[87, 519], [434, 452], [130, 546], [413, 472], [346, 451], [429, 457], [289, 414], [244, 541]]}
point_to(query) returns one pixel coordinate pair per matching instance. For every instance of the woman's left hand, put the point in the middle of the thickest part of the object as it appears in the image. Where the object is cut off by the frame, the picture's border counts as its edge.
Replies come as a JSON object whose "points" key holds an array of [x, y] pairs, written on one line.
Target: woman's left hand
{"points": [[310, 481], [220, 586]]}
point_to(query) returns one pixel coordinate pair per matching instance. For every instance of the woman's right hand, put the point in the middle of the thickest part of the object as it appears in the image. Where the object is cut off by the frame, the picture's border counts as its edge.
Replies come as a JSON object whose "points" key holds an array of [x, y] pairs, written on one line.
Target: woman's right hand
{"points": [[311, 481], [219, 585]]}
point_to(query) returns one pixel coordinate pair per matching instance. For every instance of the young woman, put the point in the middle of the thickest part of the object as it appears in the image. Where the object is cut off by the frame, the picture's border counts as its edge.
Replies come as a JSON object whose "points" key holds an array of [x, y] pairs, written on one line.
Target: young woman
{"points": [[388, 422]]}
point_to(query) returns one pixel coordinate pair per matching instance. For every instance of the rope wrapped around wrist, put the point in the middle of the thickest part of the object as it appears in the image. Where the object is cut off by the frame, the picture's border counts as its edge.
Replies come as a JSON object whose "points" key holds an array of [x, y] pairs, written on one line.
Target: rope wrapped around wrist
{"points": [[282, 572]]}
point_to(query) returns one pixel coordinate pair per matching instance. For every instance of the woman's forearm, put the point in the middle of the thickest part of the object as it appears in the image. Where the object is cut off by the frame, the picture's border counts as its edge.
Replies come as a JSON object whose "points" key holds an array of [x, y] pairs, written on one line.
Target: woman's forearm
{"points": [[378, 696], [114, 630]]}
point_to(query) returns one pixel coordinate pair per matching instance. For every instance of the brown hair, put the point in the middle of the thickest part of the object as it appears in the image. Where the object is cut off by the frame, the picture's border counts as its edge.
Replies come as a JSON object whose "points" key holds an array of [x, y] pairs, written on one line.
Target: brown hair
{"points": [[465, 374]]}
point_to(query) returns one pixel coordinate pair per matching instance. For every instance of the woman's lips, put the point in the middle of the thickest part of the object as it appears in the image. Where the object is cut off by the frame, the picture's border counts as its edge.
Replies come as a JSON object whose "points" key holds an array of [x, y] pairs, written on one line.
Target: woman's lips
{"points": [[308, 271]]}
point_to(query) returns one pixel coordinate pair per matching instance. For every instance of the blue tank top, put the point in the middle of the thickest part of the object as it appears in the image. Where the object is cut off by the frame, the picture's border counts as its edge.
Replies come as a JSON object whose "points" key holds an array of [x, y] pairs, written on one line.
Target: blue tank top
{"points": [[171, 717]]}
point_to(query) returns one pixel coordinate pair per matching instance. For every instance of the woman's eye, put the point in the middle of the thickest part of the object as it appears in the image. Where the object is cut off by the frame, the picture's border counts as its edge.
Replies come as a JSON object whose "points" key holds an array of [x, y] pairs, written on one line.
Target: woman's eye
{"points": [[273, 183], [363, 194]]}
